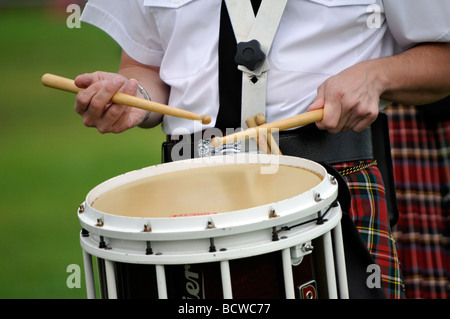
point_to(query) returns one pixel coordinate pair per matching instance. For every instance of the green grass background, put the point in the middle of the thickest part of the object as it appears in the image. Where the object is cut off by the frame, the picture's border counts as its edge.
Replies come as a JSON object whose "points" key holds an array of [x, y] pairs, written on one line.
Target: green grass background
{"points": [[49, 161]]}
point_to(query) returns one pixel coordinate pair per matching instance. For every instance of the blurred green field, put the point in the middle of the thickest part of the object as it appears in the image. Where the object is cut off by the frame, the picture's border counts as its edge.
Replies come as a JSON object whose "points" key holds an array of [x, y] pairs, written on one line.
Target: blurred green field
{"points": [[49, 160]]}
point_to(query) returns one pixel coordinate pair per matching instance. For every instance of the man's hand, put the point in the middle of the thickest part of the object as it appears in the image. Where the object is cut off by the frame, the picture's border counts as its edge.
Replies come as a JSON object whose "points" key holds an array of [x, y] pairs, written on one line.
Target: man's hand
{"points": [[350, 100], [94, 102]]}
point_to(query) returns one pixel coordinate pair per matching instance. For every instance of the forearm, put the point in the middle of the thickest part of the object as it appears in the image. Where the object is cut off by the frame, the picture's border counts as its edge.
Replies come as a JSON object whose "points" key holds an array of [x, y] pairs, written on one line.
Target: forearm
{"points": [[148, 77], [418, 76]]}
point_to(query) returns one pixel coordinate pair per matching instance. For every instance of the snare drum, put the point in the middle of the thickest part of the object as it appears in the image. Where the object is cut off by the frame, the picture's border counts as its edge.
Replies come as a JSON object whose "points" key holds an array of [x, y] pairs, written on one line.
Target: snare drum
{"points": [[240, 226]]}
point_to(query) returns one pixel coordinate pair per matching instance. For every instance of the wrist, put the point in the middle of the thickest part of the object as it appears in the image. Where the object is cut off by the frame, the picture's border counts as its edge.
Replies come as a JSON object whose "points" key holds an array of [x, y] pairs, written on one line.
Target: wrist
{"points": [[377, 75]]}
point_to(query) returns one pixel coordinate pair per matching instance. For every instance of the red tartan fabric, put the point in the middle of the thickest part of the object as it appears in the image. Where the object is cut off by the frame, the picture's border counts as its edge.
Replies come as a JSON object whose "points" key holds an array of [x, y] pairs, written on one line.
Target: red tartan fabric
{"points": [[420, 154], [369, 213]]}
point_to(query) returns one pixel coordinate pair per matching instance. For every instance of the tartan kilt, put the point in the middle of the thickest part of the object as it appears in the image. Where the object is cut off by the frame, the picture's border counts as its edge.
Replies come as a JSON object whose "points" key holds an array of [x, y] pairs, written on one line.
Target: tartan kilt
{"points": [[420, 143], [368, 211]]}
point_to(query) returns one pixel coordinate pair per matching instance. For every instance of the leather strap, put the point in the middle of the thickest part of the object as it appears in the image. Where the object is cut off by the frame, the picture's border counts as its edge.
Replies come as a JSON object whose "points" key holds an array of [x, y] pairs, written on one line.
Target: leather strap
{"points": [[307, 142], [320, 146], [262, 28]]}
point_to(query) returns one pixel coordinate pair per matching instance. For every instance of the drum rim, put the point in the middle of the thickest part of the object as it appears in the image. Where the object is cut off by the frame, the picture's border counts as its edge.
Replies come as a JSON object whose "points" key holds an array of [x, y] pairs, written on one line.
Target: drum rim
{"points": [[303, 235], [189, 227]]}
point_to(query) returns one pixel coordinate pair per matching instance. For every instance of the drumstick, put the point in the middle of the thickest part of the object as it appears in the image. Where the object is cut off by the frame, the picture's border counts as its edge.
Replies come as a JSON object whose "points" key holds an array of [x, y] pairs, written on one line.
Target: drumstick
{"points": [[284, 124], [271, 143], [68, 85], [264, 147]]}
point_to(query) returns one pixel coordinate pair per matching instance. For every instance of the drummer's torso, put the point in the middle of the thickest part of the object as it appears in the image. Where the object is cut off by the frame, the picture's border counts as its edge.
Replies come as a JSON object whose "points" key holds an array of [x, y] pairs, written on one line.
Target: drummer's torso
{"points": [[334, 36]]}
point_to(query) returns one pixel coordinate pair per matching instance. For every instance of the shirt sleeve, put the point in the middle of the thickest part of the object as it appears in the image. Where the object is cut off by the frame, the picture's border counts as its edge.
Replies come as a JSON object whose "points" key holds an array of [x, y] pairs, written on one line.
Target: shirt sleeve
{"points": [[417, 21], [130, 24]]}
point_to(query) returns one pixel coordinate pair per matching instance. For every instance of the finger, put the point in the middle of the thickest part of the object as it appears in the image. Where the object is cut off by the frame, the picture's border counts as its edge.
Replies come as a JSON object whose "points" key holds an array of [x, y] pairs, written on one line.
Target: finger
{"points": [[101, 100], [87, 79], [129, 87], [362, 115], [131, 117], [355, 115], [122, 122], [332, 112], [116, 117], [349, 117], [344, 124], [364, 122], [111, 117], [84, 80], [319, 101], [84, 97]]}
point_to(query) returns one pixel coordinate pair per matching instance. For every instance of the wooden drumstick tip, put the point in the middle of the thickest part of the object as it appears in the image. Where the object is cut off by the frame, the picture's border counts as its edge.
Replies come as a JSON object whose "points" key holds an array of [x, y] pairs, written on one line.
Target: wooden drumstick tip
{"points": [[206, 119]]}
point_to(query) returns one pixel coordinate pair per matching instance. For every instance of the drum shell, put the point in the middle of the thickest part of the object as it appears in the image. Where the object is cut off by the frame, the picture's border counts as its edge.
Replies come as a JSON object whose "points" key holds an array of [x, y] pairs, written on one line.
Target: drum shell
{"points": [[258, 277]]}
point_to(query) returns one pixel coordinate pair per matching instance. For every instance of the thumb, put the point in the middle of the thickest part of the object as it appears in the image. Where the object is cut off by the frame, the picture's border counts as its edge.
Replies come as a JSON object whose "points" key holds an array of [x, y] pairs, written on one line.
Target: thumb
{"points": [[319, 101]]}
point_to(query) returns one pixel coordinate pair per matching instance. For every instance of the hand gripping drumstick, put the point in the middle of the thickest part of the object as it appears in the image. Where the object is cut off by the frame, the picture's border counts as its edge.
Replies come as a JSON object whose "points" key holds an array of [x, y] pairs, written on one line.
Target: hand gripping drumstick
{"points": [[284, 124], [68, 85]]}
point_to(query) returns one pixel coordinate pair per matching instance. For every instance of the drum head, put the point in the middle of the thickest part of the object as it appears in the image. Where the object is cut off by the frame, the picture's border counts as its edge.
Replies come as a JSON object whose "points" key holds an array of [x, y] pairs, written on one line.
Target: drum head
{"points": [[232, 192], [211, 189]]}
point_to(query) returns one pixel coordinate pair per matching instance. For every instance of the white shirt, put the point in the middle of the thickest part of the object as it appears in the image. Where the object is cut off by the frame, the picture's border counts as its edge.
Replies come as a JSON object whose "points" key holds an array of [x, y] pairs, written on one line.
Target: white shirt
{"points": [[315, 40]]}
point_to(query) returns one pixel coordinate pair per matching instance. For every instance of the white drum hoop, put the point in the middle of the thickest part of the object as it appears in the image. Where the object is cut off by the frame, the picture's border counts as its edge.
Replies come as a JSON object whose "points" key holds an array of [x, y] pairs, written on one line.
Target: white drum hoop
{"points": [[288, 226]]}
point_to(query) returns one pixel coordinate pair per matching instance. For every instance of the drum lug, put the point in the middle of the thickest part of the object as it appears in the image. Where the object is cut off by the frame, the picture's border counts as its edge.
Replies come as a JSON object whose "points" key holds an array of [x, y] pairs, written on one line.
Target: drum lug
{"points": [[298, 251], [100, 222], [317, 197], [81, 209], [210, 225], [333, 180], [147, 228], [273, 214]]}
